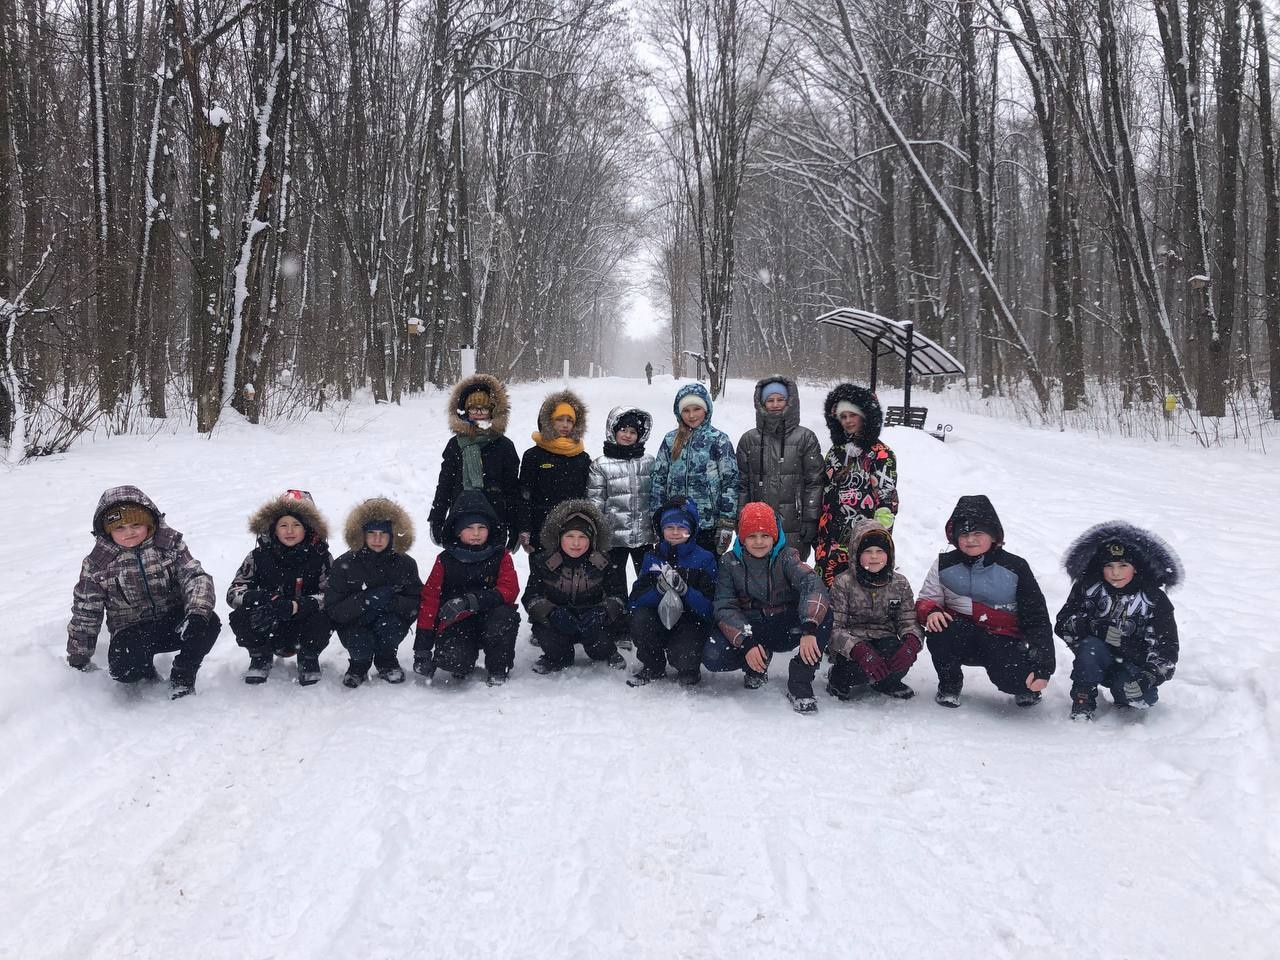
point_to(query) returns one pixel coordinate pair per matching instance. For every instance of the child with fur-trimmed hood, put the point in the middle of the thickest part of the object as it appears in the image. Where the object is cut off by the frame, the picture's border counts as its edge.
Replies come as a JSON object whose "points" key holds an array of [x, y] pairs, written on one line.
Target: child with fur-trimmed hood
{"points": [[566, 596], [1117, 620], [555, 468], [875, 639], [479, 456], [277, 595], [469, 600], [374, 589], [156, 597]]}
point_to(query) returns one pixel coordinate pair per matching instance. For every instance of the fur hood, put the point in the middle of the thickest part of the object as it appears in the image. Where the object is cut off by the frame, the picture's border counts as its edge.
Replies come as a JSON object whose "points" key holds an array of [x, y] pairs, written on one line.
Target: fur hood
{"points": [[553, 526], [458, 421], [867, 402], [1153, 559], [554, 400], [263, 520], [790, 416], [379, 508], [617, 413], [114, 497]]}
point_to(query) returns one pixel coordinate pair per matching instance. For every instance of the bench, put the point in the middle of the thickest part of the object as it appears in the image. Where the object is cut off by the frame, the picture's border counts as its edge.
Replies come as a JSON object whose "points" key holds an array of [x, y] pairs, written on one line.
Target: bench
{"points": [[913, 417]]}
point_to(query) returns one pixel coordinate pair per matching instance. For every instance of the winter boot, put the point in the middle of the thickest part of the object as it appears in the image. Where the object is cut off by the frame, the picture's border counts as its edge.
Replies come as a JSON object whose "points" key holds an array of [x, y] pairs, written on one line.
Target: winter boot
{"points": [[753, 679], [259, 668], [801, 704], [424, 667], [846, 694], [1084, 702], [357, 673], [181, 684], [150, 675], [497, 677], [545, 664], [388, 668], [1027, 698], [948, 694], [646, 675], [894, 688], [689, 678], [308, 669], [617, 661], [1135, 694]]}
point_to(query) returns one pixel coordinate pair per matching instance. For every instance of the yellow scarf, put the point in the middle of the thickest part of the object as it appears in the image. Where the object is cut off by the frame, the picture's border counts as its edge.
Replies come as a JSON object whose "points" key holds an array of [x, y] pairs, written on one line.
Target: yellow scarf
{"points": [[564, 446]]}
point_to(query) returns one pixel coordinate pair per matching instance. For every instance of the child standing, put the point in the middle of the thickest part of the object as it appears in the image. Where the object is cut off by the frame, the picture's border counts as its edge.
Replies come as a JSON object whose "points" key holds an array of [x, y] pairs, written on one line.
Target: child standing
{"points": [[479, 456], [565, 596], [1117, 620], [676, 565], [155, 595], [374, 590], [875, 639], [555, 468], [618, 483], [468, 601], [982, 607], [769, 601]]}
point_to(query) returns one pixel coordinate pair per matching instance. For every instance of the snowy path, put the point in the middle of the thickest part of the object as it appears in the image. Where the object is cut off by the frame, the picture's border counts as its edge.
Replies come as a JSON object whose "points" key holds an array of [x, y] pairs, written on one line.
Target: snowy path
{"points": [[571, 816]]}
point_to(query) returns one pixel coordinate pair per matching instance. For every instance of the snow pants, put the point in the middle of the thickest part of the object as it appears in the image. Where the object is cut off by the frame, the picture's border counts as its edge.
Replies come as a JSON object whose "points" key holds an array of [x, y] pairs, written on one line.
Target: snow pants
{"points": [[376, 641], [615, 582], [964, 644], [459, 645], [1097, 664], [130, 655], [308, 633], [777, 635], [846, 674], [656, 646], [596, 639]]}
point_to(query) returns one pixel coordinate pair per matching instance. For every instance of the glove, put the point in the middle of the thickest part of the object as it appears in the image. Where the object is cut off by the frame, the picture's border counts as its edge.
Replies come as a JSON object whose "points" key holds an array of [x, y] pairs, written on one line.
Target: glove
{"points": [[424, 641], [563, 621], [724, 540], [592, 619], [869, 660], [808, 532], [264, 618], [254, 598], [379, 598], [675, 581], [191, 627], [80, 661], [905, 655], [884, 516], [1151, 678], [613, 608], [456, 607], [437, 532]]}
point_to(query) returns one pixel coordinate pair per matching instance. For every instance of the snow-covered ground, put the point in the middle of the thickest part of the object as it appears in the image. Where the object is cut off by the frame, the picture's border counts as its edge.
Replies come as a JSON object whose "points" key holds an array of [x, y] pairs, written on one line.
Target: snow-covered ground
{"points": [[572, 816]]}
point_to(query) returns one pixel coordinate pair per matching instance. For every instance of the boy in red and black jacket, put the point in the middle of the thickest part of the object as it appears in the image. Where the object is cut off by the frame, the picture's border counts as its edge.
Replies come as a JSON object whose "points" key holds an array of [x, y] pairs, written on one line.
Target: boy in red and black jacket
{"points": [[982, 607], [468, 601]]}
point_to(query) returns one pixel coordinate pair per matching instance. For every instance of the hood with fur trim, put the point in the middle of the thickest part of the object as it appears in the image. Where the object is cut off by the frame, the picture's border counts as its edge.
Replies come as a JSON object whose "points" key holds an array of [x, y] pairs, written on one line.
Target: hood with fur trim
{"points": [[863, 399], [114, 497], [617, 413], [263, 520], [379, 508], [553, 400], [554, 525], [1153, 559], [790, 416], [501, 409]]}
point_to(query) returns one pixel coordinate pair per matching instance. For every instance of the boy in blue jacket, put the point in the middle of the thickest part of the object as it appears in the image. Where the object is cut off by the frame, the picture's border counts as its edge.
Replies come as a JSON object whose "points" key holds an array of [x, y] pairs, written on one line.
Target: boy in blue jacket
{"points": [[676, 565]]}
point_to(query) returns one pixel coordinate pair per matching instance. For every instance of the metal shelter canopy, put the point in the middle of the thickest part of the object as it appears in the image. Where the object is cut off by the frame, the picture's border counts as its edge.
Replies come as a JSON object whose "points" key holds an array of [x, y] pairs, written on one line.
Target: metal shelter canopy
{"points": [[882, 336]]}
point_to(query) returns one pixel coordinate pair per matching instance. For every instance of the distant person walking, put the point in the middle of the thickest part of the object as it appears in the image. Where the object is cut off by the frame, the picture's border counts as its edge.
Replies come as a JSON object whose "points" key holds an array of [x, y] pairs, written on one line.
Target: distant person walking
{"points": [[648, 372]]}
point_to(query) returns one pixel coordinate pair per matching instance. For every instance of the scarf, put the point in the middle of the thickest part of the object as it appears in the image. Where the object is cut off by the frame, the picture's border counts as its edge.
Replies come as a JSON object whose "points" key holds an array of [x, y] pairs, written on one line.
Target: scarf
{"points": [[616, 451], [562, 446], [473, 460]]}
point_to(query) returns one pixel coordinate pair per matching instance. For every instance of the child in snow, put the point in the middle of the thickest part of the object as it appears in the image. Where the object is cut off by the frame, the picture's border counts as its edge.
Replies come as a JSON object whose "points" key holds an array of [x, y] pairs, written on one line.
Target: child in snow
{"points": [[155, 595], [769, 601], [374, 590], [875, 639], [981, 607], [479, 456], [860, 475], [1117, 620], [676, 565], [565, 597], [697, 461], [468, 601], [618, 483], [780, 463], [277, 595], [555, 468]]}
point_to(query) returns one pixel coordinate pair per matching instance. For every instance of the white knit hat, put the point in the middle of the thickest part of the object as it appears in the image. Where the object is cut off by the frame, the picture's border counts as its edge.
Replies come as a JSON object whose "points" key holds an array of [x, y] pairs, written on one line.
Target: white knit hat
{"points": [[692, 400], [844, 406]]}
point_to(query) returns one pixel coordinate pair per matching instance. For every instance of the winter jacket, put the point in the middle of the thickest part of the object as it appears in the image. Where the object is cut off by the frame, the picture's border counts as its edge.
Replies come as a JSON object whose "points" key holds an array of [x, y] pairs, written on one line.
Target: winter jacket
{"points": [[156, 579], [618, 483], [750, 587], [360, 571], [557, 580], [547, 478], [1137, 621], [486, 572], [300, 572], [501, 462], [696, 566], [780, 463], [705, 472], [870, 607], [996, 590], [860, 475]]}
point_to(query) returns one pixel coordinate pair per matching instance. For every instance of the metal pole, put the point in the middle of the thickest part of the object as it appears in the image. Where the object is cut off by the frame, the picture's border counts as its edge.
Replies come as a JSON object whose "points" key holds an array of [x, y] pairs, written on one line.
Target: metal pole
{"points": [[875, 360], [906, 379]]}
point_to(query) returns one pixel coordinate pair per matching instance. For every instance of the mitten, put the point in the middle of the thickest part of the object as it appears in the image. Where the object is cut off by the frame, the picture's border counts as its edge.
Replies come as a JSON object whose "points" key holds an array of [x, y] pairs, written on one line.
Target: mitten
{"points": [[884, 516], [437, 532], [675, 581], [724, 540], [191, 627], [264, 618], [613, 608], [254, 598], [905, 655], [454, 608], [869, 661], [808, 532]]}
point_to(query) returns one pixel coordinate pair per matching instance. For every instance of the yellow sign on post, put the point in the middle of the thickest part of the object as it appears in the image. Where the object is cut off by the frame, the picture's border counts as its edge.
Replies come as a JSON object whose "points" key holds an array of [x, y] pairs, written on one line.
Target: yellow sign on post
{"points": [[1170, 404]]}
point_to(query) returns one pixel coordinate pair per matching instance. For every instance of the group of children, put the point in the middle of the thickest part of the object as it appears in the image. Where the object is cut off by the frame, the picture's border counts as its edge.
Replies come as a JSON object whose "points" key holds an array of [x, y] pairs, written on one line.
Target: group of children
{"points": [[692, 604]]}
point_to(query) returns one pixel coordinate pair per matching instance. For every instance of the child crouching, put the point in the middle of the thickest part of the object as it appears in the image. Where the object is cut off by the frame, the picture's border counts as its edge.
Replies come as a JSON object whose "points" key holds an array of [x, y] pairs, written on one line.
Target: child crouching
{"points": [[1117, 620]]}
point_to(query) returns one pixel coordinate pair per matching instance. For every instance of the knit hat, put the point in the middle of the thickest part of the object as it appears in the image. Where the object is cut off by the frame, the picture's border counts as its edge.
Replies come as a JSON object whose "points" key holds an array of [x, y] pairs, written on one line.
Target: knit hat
{"points": [[377, 526], [974, 523], [580, 522], [564, 410], [757, 518], [126, 513], [675, 517], [844, 406], [774, 389], [691, 400], [478, 398], [875, 538], [463, 520], [630, 419]]}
